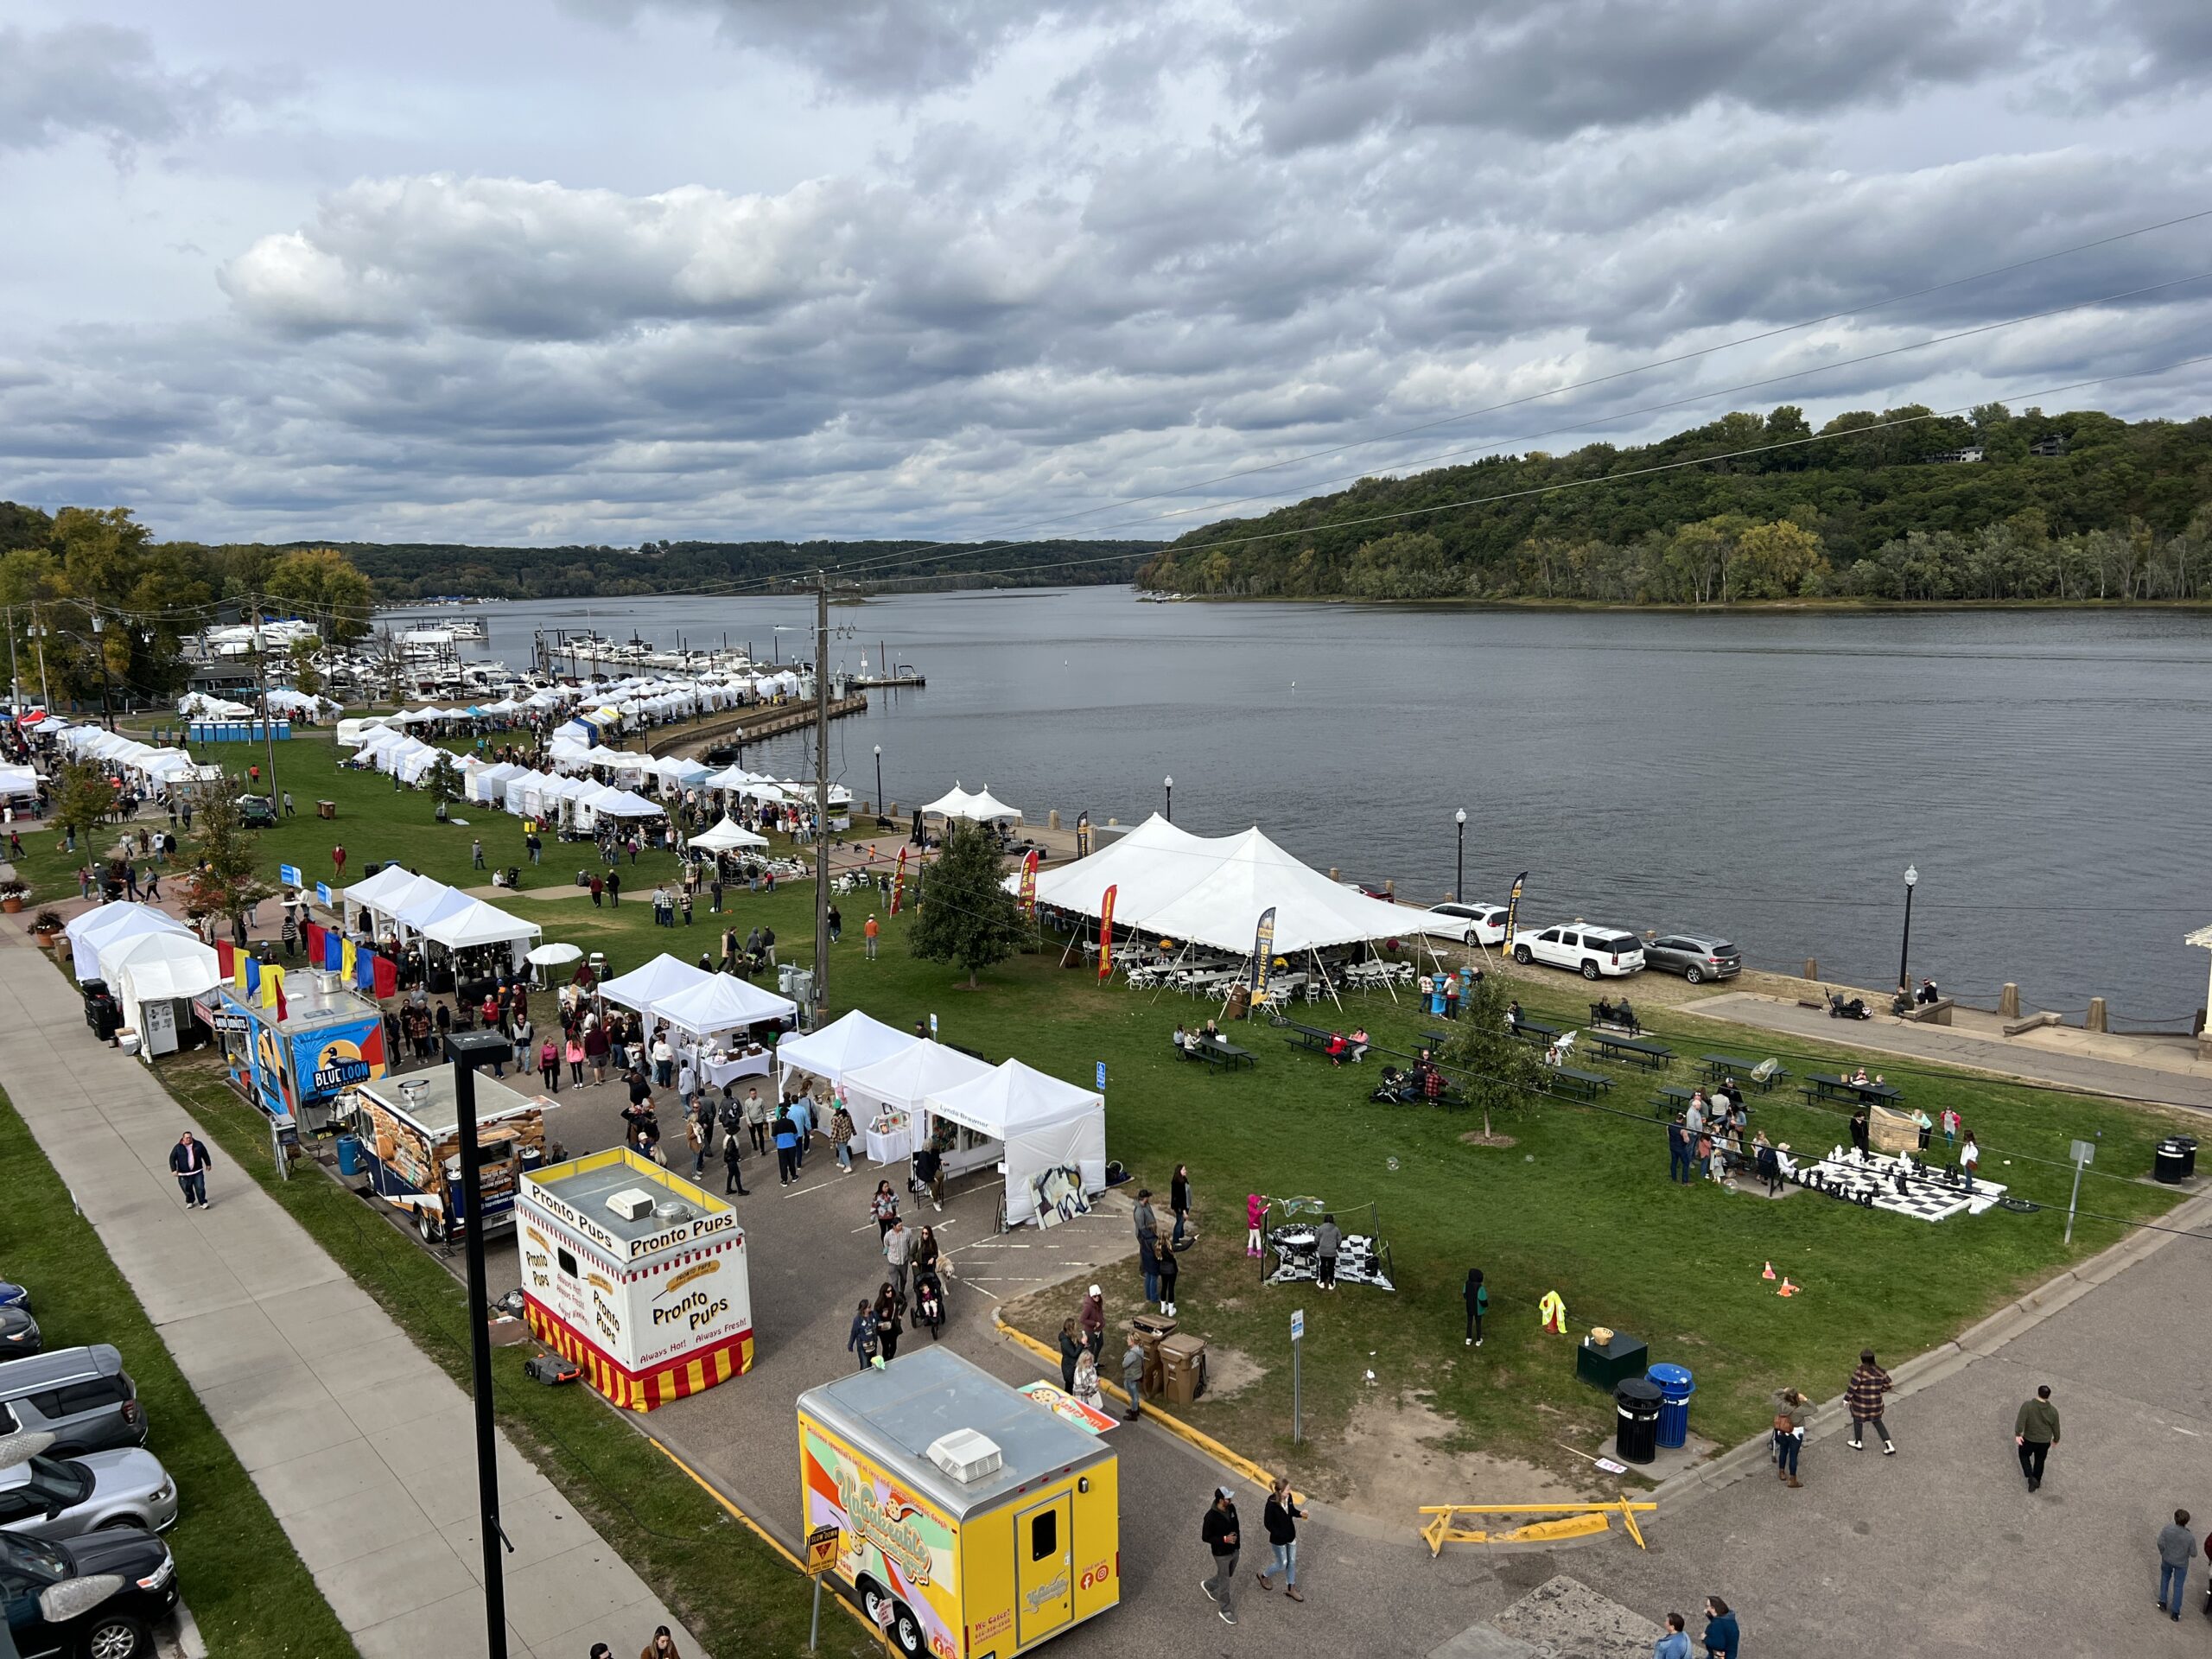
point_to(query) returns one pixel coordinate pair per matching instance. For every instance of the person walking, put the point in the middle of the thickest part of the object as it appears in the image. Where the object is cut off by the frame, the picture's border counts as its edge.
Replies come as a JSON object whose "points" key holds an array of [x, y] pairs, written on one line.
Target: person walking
{"points": [[1863, 1394], [1676, 1644], [188, 1162], [897, 1249], [787, 1150], [836, 920], [756, 1118], [1792, 1411], [597, 889], [1179, 1200], [732, 1163], [1148, 1226], [1678, 1152], [2176, 1549], [863, 1340], [1219, 1533], [1133, 1385], [841, 1136], [663, 1646], [1093, 1321], [1171, 1269], [1723, 1638], [1328, 1241], [476, 853], [573, 1050], [883, 1208], [1281, 1518], [1476, 1295], [2035, 1431], [1071, 1349], [1255, 1215], [887, 1322], [869, 931]]}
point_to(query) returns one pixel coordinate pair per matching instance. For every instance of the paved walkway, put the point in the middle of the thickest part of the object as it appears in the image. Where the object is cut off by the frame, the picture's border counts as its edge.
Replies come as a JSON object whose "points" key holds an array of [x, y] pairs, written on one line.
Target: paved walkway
{"points": [[364, 1449], [1949, 1046]]}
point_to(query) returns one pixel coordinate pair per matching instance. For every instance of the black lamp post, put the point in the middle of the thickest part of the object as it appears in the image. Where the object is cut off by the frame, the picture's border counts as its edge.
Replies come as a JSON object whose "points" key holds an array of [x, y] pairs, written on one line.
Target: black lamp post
{"points": [[878, 780], [1169, 785], [1459, 879], [1904, 948]]}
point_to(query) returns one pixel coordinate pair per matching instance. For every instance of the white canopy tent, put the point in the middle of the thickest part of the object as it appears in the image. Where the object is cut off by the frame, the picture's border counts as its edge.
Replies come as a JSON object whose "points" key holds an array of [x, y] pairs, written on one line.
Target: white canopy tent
{"points": [[1041, 1123], [488, 785], [978, 806], [475, 923], [657, 981], [18, 780], [375, 890], [106, 924], [723, 1003], [426, 902], [155, 968], [908, 1077], [1153, 866], [1311, 911], [727, 836], [844, 1045]]}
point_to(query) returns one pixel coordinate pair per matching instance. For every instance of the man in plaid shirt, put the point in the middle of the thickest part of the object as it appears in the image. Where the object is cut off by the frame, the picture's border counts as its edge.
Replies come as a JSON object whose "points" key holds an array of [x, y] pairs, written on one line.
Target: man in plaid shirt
{"points": [[1863, 1394]]}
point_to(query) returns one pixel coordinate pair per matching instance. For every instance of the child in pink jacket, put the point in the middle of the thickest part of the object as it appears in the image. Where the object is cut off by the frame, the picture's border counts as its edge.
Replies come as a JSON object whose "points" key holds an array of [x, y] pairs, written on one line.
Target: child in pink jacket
{"points": [[1255, 1211]]}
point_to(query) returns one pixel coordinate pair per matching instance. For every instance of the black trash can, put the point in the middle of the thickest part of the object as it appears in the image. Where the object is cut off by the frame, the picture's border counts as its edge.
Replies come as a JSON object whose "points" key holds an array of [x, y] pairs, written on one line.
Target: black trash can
{"points": [[1636, 1438], [2188, 1145], [2171, 1162]]}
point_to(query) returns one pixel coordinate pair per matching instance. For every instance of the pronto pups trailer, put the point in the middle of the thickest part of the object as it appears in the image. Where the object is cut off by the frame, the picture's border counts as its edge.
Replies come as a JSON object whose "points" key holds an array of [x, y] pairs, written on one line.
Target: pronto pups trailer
{"points": [[637, 1275], [972, 1522]]}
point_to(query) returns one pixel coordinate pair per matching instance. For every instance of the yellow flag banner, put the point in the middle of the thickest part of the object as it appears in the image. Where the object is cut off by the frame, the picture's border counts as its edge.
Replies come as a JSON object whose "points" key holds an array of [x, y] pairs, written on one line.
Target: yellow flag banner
{"points": [[1106, 934], [1029, 884], [898, 883]]}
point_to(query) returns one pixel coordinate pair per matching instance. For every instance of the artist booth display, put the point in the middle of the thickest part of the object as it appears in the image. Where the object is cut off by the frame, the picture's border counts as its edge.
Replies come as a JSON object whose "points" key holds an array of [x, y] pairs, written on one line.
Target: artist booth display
{"points": [[1047, 1137]]}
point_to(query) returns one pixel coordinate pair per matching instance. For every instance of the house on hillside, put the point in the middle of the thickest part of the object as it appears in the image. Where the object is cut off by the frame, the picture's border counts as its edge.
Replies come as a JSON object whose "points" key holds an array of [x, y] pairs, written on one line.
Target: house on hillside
{"points": [[1956, 457]]}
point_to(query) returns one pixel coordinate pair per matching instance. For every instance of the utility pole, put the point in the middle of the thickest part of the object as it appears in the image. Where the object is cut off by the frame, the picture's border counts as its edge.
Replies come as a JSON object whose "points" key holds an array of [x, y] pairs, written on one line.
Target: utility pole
{"points": [[261, 684], [45, 697], [14, 680], [467, 1051], [821, 795]]}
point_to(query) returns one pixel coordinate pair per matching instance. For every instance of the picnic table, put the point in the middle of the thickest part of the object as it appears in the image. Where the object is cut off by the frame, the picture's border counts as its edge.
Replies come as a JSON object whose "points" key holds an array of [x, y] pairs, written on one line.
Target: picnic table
{"points": [[1584, 1085], [1633, 1050], [1718, 1066], [1214, 1052], [1672, 1095], [1436, 1039], [1534, 1031], [1821, 1085], [1312, 1037]]}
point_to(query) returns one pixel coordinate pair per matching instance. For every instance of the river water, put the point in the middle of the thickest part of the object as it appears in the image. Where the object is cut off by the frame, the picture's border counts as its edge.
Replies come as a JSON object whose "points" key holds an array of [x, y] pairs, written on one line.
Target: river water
{"points": [[1767, 776]]}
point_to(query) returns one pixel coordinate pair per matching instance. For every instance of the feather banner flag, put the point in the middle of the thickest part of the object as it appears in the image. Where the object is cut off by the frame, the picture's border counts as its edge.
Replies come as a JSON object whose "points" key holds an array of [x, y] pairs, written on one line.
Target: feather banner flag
{"points": [[1106, 934]]}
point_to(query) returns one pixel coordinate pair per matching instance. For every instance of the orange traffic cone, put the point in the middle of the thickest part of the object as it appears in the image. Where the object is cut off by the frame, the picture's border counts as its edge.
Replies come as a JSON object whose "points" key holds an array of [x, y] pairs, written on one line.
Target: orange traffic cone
{"points": [[1768, 1274], [1788, 1289]]}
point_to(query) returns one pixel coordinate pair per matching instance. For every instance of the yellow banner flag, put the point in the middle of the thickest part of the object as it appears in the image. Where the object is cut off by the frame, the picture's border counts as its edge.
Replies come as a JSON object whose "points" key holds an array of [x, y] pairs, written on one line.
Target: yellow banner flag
{"points": [[345, 962], [272, 982]]}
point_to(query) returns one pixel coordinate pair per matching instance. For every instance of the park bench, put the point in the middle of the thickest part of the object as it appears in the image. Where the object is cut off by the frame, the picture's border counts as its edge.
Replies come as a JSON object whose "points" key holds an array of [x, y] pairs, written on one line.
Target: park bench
{"points": [[1583, 1086], [1611, 1021], [1634, 1050]]}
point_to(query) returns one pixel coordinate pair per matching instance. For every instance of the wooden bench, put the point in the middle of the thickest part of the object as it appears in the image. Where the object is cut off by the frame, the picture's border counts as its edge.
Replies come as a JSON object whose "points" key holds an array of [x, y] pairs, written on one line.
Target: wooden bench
{"points": [[1937, 1012], [1633, 1050], [1584, 1085]]}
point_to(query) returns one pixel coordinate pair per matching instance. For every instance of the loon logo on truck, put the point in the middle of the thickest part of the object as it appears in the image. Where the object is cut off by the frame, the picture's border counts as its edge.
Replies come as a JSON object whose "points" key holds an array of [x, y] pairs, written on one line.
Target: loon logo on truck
{"points": [[876, 1522], [340, 1064]]}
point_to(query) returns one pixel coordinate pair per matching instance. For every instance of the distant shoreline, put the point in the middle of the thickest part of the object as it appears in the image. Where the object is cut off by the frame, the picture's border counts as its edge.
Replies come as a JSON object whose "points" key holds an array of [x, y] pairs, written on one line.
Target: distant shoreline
{"points": [[1738, 606]]}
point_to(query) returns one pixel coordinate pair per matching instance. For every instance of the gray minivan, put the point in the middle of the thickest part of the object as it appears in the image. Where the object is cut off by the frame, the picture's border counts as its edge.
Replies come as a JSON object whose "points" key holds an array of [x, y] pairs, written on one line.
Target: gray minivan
{"points": [[81, 1396]]}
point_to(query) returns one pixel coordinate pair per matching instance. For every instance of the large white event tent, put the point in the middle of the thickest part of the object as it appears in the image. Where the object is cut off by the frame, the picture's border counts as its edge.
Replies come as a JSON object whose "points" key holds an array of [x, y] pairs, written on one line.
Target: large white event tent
{"points": [[612, 803], [156, 967], [1041, 1123], [723, 1003], [657, 981], [727, 836], [105, 925], [473, 923], [844, 1045], [18, 780], [979, 806]]}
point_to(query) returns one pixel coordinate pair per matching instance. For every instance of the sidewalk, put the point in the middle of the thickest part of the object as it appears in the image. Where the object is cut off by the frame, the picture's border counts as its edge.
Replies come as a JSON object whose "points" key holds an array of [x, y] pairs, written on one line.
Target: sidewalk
{"points": [[364, 1449], [2032, 1062]]}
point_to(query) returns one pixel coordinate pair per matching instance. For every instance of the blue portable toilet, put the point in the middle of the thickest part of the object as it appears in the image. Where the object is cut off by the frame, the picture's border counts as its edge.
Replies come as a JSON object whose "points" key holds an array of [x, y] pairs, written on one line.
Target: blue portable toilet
{"points": [[1676, 1387]]}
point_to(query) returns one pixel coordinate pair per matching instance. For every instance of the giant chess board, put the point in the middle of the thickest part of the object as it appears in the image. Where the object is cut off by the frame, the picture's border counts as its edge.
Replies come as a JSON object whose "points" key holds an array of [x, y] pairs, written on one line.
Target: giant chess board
{"points": [[1903, 1184]]}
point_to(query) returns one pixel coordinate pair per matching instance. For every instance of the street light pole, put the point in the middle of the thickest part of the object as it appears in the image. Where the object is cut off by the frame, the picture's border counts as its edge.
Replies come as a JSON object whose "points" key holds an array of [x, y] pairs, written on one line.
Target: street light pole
{"points": [[1904, 948], [879, 811], [468, 1049], [1460, 879], [1169, 784]]}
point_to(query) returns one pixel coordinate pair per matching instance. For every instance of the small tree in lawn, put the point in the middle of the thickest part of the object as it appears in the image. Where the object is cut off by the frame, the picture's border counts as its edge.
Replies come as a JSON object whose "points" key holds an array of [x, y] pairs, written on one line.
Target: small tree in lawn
{"points": [[1494, 1069], [966, 917], [307, 678], [84, 800], [225, 882], [443, 780]]}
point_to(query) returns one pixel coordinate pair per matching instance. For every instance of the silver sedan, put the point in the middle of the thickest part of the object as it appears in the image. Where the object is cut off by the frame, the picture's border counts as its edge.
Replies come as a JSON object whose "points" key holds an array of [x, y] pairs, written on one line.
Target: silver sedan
{"points": [[66, 1497]]}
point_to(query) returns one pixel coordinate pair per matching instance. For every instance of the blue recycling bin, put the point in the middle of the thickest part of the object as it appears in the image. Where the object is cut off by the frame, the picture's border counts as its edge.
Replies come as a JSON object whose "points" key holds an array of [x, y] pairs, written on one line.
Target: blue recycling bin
{"points": [[349, 1155], [1676, 1387]]}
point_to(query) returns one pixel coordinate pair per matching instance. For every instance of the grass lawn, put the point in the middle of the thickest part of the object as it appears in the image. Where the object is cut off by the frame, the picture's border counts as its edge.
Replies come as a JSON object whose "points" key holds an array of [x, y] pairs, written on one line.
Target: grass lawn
{"points": [[251, 1595], [1580, 1204]]}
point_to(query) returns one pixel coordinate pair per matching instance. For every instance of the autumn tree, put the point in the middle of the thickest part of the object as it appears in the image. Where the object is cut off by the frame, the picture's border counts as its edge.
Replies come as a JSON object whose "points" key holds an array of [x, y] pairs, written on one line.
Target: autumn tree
{"points": [[226, 880], [967, 917], [321, 585]]}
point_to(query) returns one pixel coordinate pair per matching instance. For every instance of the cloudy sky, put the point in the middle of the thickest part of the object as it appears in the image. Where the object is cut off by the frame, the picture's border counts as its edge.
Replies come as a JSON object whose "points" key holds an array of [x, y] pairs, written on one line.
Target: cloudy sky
{"points": [[521, 271]]}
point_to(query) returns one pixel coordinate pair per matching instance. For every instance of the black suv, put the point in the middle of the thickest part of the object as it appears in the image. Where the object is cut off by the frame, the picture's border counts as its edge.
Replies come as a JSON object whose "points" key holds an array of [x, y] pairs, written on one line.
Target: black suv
{"points": [[98, 1596]]}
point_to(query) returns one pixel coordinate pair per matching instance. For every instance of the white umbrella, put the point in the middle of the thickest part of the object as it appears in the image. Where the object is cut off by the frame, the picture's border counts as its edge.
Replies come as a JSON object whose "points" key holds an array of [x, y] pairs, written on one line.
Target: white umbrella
{"points": [[553, 955]]}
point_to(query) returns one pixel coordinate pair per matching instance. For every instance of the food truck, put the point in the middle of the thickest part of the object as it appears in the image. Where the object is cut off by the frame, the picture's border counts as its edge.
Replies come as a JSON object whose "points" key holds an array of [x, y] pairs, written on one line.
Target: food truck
{"points": [[637, 1275], [330, 1037], [409, 1133], [972, 1522]]}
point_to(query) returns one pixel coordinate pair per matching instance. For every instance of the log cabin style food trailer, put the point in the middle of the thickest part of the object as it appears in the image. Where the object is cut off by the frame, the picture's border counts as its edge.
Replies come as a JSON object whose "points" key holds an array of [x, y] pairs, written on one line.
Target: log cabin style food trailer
{"points": [[410, 1130]]}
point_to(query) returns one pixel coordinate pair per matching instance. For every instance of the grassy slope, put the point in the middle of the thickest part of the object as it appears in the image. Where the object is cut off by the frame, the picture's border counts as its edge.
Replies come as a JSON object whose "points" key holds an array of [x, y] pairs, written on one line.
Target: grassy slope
{"points": [[1580, 1205], [250, 1593]]}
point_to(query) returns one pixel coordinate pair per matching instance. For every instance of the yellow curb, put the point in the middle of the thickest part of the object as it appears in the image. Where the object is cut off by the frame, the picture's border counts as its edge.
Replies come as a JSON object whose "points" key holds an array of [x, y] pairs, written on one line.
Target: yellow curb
{"points": [[762, 1534], [1206, 1443]]}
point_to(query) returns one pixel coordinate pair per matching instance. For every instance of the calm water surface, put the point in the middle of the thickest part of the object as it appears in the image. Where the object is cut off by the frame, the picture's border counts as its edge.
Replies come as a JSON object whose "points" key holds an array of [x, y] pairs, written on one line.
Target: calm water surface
{"points": [[1769, 777]]}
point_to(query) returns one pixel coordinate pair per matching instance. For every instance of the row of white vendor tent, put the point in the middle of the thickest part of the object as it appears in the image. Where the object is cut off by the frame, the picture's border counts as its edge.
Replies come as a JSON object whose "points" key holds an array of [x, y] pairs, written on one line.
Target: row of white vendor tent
{"points": [[143, 954], [1212, 890], [695, 1001], [119, 753], [419, 906]]}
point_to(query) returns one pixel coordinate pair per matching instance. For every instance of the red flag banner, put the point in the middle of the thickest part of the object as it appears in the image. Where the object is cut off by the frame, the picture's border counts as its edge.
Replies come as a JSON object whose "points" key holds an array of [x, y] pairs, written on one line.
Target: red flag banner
{"points": [[1106, 934], [898, 883], [1029, 884]]}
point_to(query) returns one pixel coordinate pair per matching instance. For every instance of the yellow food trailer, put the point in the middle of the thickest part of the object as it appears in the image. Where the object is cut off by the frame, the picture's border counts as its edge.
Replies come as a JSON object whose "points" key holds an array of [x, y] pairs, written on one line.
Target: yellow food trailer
{"points": [[972, 1522]]}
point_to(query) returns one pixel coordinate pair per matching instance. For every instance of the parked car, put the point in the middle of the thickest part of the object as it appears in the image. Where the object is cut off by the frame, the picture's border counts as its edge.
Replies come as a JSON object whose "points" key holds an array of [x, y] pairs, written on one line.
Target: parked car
{"points": [[13, 1295], [82, 1397], [1593, 952], [257, 813], [1485, 923], [1695, 956], [66, 1497], [98, 1596], [19, 1333]]}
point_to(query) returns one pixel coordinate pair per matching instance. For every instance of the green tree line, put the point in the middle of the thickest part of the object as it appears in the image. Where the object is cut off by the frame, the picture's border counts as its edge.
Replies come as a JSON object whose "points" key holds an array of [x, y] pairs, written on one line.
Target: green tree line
{"points": [[1895, 506]]}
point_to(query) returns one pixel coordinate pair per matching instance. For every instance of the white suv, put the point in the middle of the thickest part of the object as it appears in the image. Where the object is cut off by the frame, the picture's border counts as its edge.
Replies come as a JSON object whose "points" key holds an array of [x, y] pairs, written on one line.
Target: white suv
{"points": [[1469, 924], [1594, 952]]}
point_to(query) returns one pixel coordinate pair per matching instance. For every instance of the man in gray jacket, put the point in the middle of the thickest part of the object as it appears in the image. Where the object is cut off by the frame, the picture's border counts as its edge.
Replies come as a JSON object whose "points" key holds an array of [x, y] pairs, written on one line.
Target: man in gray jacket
{"points": [[898, 1246], [1148, 1243], [2176, 1549], [1328, 1240]]}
